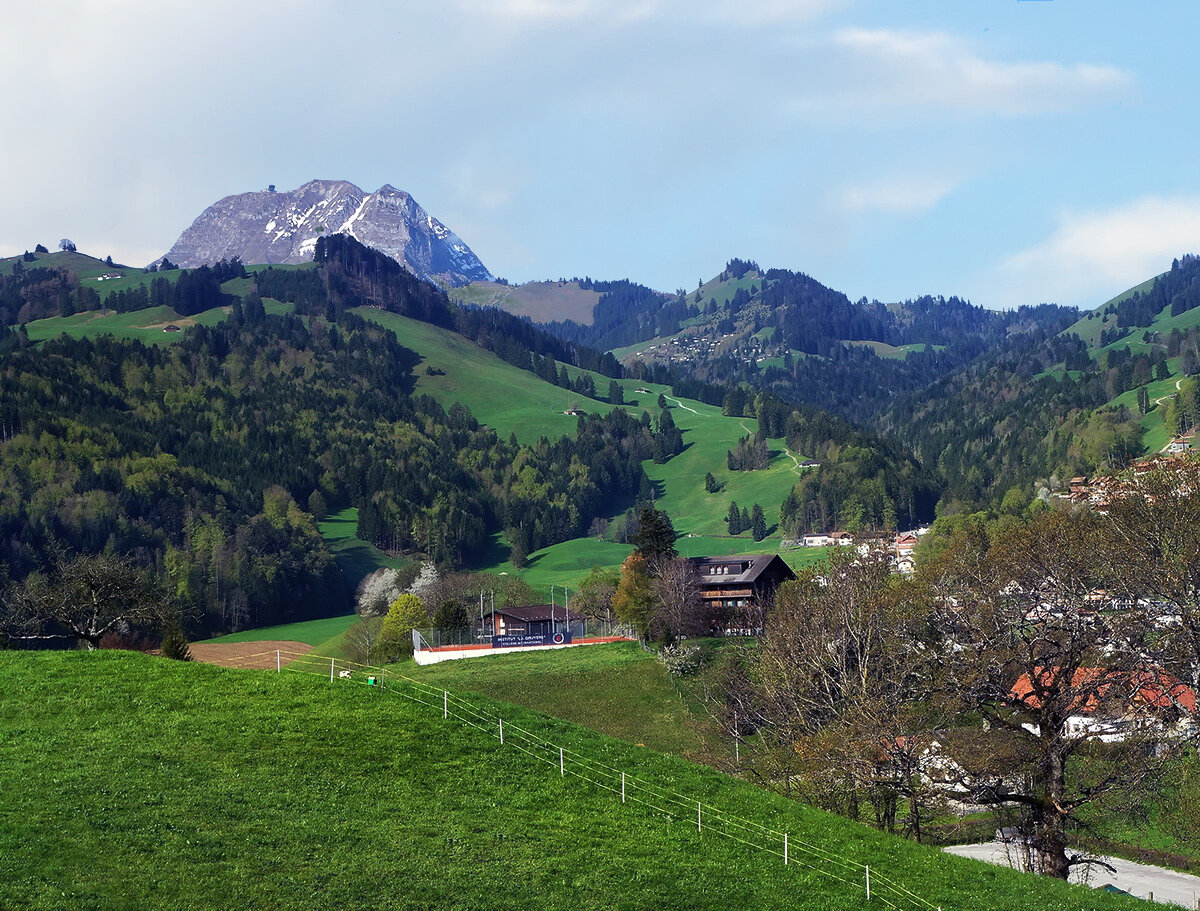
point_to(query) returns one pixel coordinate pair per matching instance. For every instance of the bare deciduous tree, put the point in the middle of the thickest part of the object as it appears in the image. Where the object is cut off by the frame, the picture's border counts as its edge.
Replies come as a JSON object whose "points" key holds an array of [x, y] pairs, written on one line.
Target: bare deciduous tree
{"points": [[85, 598], [676, 586], [1031, 641], [844, 679]]}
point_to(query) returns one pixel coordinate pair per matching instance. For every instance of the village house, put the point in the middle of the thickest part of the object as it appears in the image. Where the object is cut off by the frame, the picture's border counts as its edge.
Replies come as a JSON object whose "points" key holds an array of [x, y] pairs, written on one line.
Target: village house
{"points": [[737, 581], [1116, 705]]}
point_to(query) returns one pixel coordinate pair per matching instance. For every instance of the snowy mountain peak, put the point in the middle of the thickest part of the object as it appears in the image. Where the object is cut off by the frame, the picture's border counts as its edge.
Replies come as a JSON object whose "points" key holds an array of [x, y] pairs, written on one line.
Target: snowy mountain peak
{"points": [[269, 227]]}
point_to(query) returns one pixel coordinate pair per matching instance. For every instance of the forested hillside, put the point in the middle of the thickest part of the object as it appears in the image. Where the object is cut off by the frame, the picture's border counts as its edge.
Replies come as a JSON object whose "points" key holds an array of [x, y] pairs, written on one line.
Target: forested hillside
{"points": [[208, 457], [1048, 406], [786, 333]]}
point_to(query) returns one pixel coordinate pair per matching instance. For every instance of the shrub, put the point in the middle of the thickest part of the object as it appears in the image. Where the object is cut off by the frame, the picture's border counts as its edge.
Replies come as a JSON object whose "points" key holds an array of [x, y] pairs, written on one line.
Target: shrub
{"points": [[681, 660]]}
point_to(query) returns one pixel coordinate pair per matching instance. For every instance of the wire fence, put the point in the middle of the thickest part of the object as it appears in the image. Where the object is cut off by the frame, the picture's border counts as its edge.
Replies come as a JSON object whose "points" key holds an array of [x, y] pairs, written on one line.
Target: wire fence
{"points": [[629, 789]]}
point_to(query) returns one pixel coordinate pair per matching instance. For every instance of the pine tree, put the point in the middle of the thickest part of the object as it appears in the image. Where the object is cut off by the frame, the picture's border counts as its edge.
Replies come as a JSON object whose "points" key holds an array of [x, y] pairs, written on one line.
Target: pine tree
{"points": [[655, 535], [175, 644], [758, 523], [734, 519], [710, 483]]}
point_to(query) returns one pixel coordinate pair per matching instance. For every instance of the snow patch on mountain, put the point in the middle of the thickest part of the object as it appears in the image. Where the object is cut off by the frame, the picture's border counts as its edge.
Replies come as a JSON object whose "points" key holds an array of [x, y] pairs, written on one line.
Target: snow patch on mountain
{"points": [[271, 227]]}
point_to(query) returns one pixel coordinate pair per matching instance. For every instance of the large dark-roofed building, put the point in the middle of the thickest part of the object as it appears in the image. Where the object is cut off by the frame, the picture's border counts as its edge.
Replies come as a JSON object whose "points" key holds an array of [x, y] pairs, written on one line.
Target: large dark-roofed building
{"points": [[736, 581]]}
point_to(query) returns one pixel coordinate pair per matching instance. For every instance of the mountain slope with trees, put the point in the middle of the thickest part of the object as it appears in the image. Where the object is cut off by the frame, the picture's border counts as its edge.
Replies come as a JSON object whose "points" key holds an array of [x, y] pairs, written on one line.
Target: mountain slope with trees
{"points": [[1053, 405], [788, 334]]}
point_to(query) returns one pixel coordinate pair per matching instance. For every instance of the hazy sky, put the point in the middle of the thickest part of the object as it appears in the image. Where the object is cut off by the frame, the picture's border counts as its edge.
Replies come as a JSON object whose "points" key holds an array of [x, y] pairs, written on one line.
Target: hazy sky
{"points": [[1009, 152]]}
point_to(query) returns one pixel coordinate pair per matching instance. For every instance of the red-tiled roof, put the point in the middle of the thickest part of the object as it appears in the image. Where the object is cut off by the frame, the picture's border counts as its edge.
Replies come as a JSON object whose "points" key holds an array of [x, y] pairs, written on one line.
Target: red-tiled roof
{"points": [[1146, 688]]}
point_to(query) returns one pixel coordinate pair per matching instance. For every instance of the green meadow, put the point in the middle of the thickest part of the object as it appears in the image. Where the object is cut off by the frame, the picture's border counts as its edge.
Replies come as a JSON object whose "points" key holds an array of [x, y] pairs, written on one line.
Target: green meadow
{"points": [[500, 395], [527, 407], [354, 556], [618, 689], [136, 782], [146, 326], [893, 352], [316, 633]]}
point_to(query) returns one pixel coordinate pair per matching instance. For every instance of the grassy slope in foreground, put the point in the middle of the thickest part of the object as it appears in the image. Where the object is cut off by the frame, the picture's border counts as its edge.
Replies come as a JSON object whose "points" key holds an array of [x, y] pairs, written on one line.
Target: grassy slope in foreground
{"points": [[152, 784], [618, 689]]}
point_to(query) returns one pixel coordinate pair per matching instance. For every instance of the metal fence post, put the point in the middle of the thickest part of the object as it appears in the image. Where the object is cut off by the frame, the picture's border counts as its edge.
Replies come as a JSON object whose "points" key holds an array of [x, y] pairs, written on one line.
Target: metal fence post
{"points": [[331, 661], [502, 731], [562, 768], [445, 704], [698, 828], [868, 866], [785, 849], [622, 787], [277, 661]]}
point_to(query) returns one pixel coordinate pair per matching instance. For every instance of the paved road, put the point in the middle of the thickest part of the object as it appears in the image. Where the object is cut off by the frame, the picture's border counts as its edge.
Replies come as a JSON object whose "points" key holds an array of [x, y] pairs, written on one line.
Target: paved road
{"points": [[1139, 879]]}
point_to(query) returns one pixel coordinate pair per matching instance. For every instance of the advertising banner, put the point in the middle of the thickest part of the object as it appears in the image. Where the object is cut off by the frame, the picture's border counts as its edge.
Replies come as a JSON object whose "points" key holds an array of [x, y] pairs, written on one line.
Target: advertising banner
{"points": [[524, 640]]}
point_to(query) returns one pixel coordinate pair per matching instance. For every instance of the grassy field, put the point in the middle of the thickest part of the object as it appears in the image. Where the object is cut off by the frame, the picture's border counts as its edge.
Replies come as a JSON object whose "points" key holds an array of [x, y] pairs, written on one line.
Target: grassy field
{"points": [[142, 325], [529, 409], [472, 376], [355, 556], [131, 781], [618, 689], [312, 632], [499, 395], [542, 302], [1089, 327], [86, 267], [892, 352]]}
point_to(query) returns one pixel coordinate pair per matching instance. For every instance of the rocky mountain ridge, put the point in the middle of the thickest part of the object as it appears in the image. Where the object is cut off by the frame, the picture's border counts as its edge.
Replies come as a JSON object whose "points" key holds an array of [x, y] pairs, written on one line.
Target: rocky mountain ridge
{"points": [[282, 227]]}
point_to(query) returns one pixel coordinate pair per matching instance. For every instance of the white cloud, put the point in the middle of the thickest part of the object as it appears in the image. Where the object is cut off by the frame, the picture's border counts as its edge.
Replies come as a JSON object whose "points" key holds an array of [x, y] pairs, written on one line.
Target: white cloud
{"points": [[748, 13], [894, 72], [909, 195], [1093, 256]]}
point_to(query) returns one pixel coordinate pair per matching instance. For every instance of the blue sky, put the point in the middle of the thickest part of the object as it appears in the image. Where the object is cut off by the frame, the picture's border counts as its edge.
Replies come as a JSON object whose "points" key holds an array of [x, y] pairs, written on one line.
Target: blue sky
{"points": [[1009, 152]]}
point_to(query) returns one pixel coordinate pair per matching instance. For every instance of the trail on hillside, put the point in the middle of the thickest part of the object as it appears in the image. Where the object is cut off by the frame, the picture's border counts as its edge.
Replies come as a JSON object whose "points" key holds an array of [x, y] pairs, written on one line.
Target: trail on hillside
{"points": [[680, 404], [795, 461], [1163, 398]]}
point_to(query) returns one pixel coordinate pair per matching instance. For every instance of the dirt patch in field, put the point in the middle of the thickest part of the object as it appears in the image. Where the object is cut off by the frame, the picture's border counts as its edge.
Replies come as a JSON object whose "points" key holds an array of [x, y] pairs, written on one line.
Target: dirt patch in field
{"points": [[258, 655]]}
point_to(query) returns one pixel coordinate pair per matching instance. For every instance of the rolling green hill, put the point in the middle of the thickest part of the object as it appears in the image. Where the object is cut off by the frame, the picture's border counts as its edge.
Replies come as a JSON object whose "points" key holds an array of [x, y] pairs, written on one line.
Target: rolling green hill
{"points": [[515, 401], [154, 784], [86, 267], [147, 326], [504, 397], [894, 352], [1090, 325]]}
